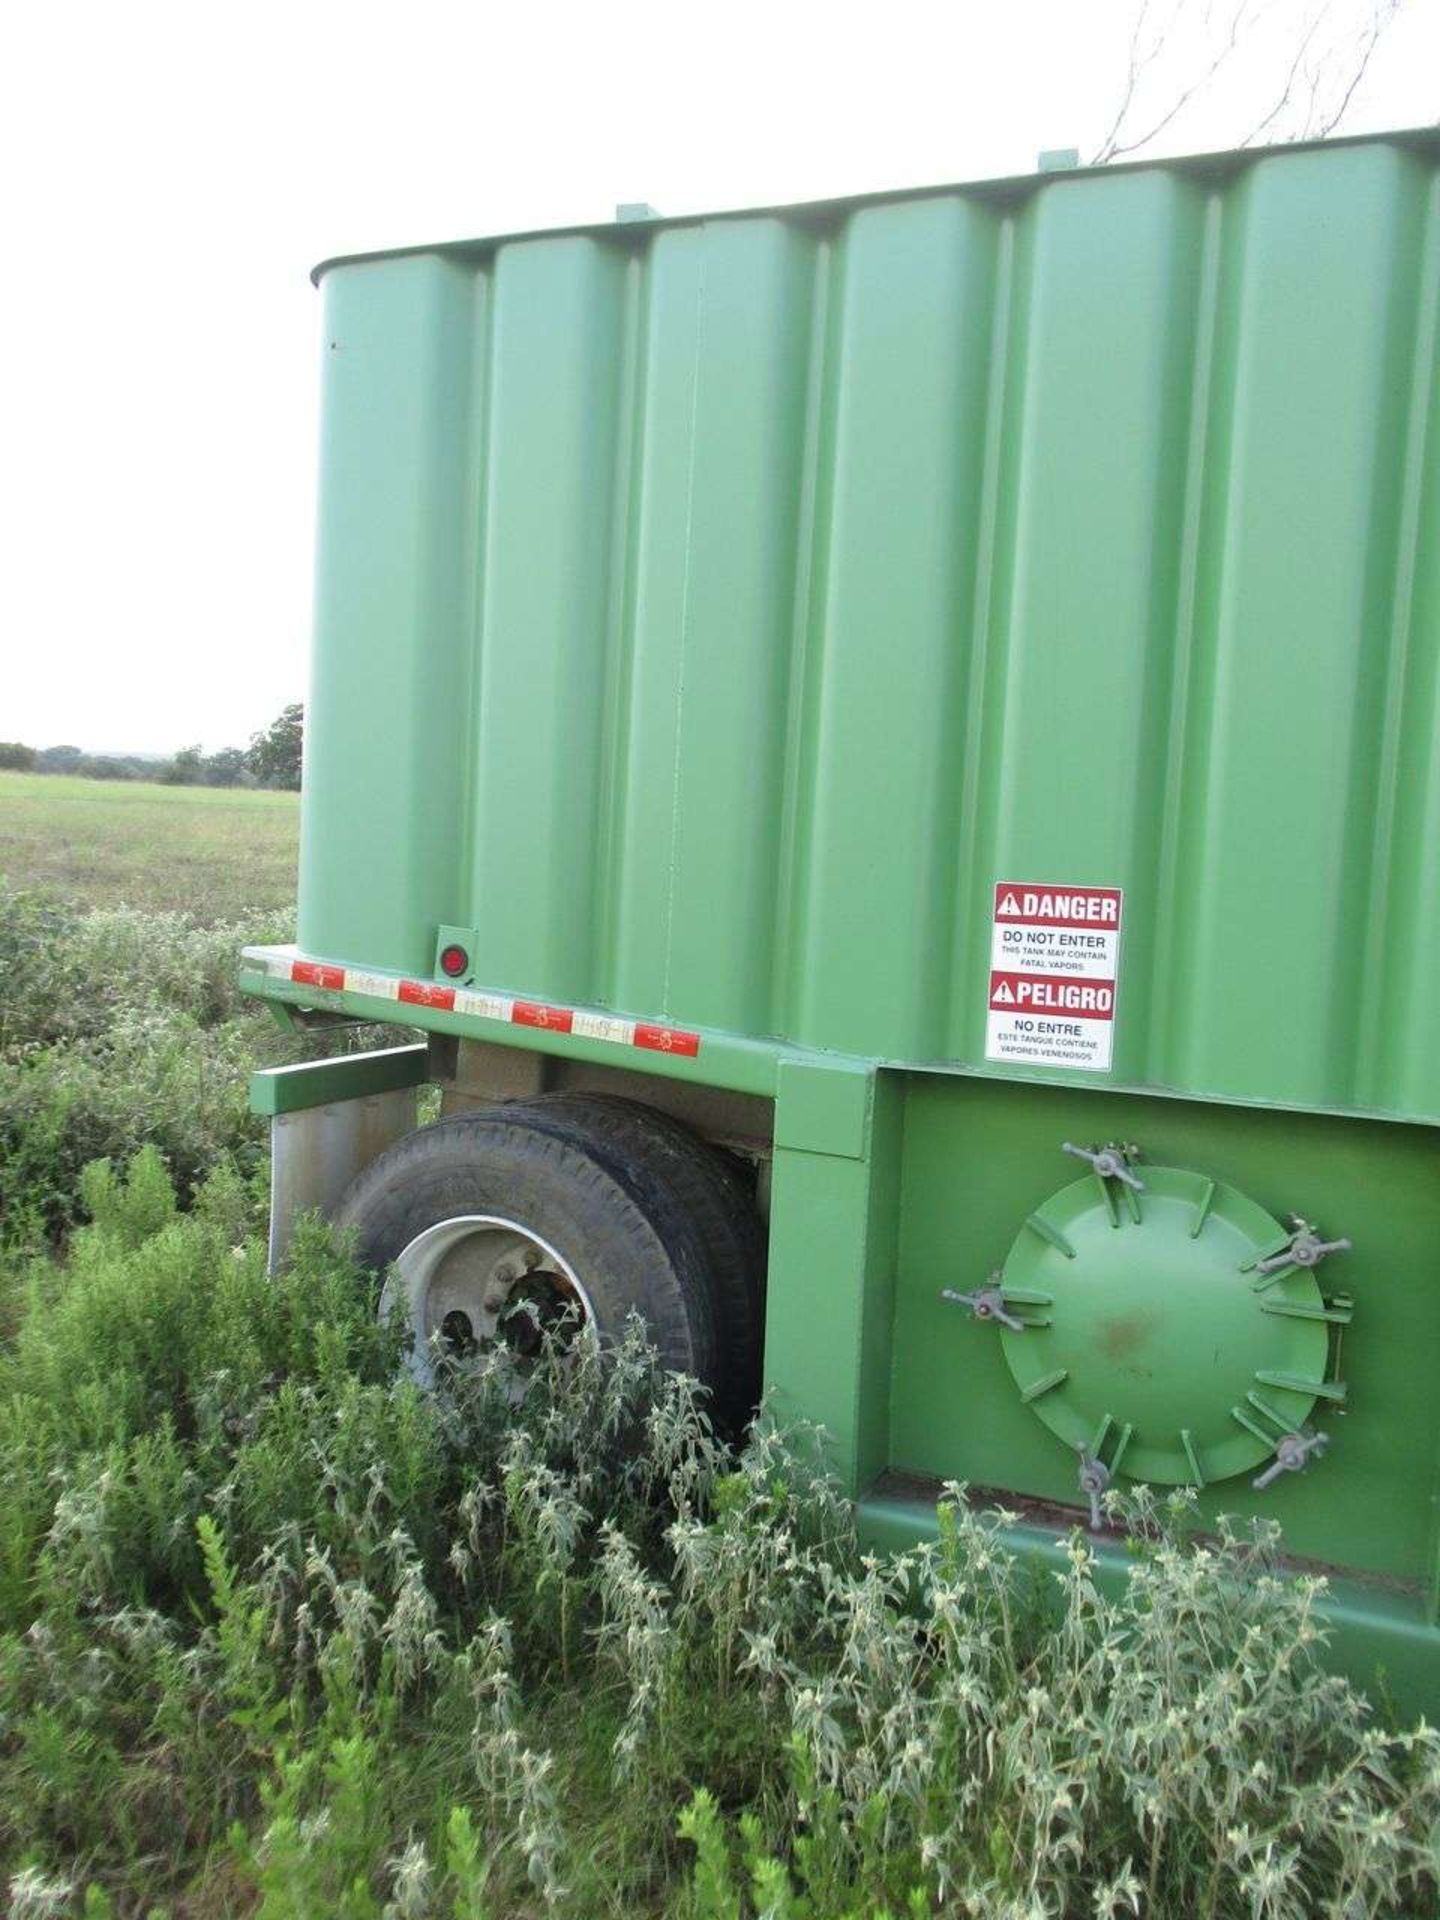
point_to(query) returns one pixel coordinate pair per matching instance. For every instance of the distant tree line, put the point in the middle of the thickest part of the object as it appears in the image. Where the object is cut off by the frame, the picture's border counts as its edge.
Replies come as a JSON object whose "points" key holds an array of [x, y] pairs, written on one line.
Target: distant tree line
{"points": [[272, 759]]}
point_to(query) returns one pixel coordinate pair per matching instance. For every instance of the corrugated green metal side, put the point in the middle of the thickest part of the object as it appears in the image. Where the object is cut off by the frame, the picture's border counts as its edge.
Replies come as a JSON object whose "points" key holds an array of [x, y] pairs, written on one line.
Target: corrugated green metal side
{"points": [[710, 613]]}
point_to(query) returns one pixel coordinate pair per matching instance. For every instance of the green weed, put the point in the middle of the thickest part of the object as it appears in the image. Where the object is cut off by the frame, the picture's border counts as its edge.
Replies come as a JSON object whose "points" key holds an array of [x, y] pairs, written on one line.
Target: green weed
{"points": [[280, 1634], [119, 1030]]}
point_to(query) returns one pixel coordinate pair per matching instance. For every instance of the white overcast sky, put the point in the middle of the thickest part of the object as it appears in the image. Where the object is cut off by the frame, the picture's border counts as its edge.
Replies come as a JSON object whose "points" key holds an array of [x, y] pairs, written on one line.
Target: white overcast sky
{"points": [[171, 172]]}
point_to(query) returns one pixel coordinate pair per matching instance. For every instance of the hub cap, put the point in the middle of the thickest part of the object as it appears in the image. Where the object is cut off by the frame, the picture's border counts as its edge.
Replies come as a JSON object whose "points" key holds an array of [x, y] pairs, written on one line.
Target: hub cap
{"points": [[470, 1284]]}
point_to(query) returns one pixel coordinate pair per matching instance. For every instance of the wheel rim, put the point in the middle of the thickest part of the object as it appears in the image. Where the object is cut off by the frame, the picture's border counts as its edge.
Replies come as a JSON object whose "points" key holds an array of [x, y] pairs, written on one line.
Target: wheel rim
{"points": [[469, 1286]]}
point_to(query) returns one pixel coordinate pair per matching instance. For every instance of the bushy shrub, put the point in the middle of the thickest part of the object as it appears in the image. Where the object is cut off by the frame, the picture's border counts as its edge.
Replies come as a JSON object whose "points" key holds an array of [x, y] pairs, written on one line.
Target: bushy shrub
{"points": [[119, 1028], [280, 1633], [68, 973]]}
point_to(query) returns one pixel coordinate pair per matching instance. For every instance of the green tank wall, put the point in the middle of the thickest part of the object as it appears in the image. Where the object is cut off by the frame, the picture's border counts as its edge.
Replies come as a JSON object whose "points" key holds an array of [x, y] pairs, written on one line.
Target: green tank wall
{"points": [[890, 1188], [978, 1160], [710, 612]]}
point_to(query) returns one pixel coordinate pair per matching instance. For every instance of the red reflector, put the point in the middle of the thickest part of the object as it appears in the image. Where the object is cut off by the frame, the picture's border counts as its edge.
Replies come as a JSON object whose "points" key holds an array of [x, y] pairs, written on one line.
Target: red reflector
{"points": [[310, 973], [668, 1040], [530, 1013], [454, 960], [421, 993]]}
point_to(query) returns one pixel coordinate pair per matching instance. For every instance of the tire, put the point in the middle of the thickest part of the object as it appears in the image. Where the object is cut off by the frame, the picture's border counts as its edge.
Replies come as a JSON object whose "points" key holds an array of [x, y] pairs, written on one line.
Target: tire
{"points": [[715, 1203], [461, 1202]]}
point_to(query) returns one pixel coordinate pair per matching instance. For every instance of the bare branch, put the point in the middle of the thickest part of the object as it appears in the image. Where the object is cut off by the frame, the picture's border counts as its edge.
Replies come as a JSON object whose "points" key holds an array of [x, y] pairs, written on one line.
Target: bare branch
{"points": [[1287, 89], [1384, 13], [1114, 147], [1316, 93], [1137, 65]]}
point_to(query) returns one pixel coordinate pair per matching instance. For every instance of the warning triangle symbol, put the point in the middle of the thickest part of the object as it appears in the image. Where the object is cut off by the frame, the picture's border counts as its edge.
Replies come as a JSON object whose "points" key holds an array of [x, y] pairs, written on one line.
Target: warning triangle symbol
{"points": [[1009, 904], [1002, 996]]}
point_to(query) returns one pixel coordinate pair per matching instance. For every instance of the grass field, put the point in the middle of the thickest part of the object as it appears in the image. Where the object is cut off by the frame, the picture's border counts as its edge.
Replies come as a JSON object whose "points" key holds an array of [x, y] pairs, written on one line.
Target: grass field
{"points": [[218, 854]]}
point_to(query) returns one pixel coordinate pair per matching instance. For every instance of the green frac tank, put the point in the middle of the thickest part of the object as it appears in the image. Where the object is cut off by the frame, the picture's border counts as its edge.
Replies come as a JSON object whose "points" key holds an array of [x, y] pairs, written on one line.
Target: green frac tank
{"points": [[958, 671], [709, 612]]}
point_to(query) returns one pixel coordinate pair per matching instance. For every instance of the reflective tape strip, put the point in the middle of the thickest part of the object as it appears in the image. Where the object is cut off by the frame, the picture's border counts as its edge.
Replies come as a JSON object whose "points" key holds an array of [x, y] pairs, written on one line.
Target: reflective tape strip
{"points": [[603, 1026], [533, 1013], [667, 1040], [314, 973], [263, 959], [378, 986], [424, 993], [610, 1028], [484, 1006]]}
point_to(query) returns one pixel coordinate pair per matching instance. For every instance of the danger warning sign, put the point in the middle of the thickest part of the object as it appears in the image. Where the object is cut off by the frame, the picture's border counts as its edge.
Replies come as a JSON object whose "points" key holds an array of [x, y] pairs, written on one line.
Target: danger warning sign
{"points": [[1054, 961]]}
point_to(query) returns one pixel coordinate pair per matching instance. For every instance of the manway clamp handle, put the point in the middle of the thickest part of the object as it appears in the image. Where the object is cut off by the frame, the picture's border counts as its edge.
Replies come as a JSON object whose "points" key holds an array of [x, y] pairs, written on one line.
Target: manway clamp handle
{"points": [[986, 1303], [1095, 1477], [1292, 1455], [1306, 1248], [1110, 1163]]}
